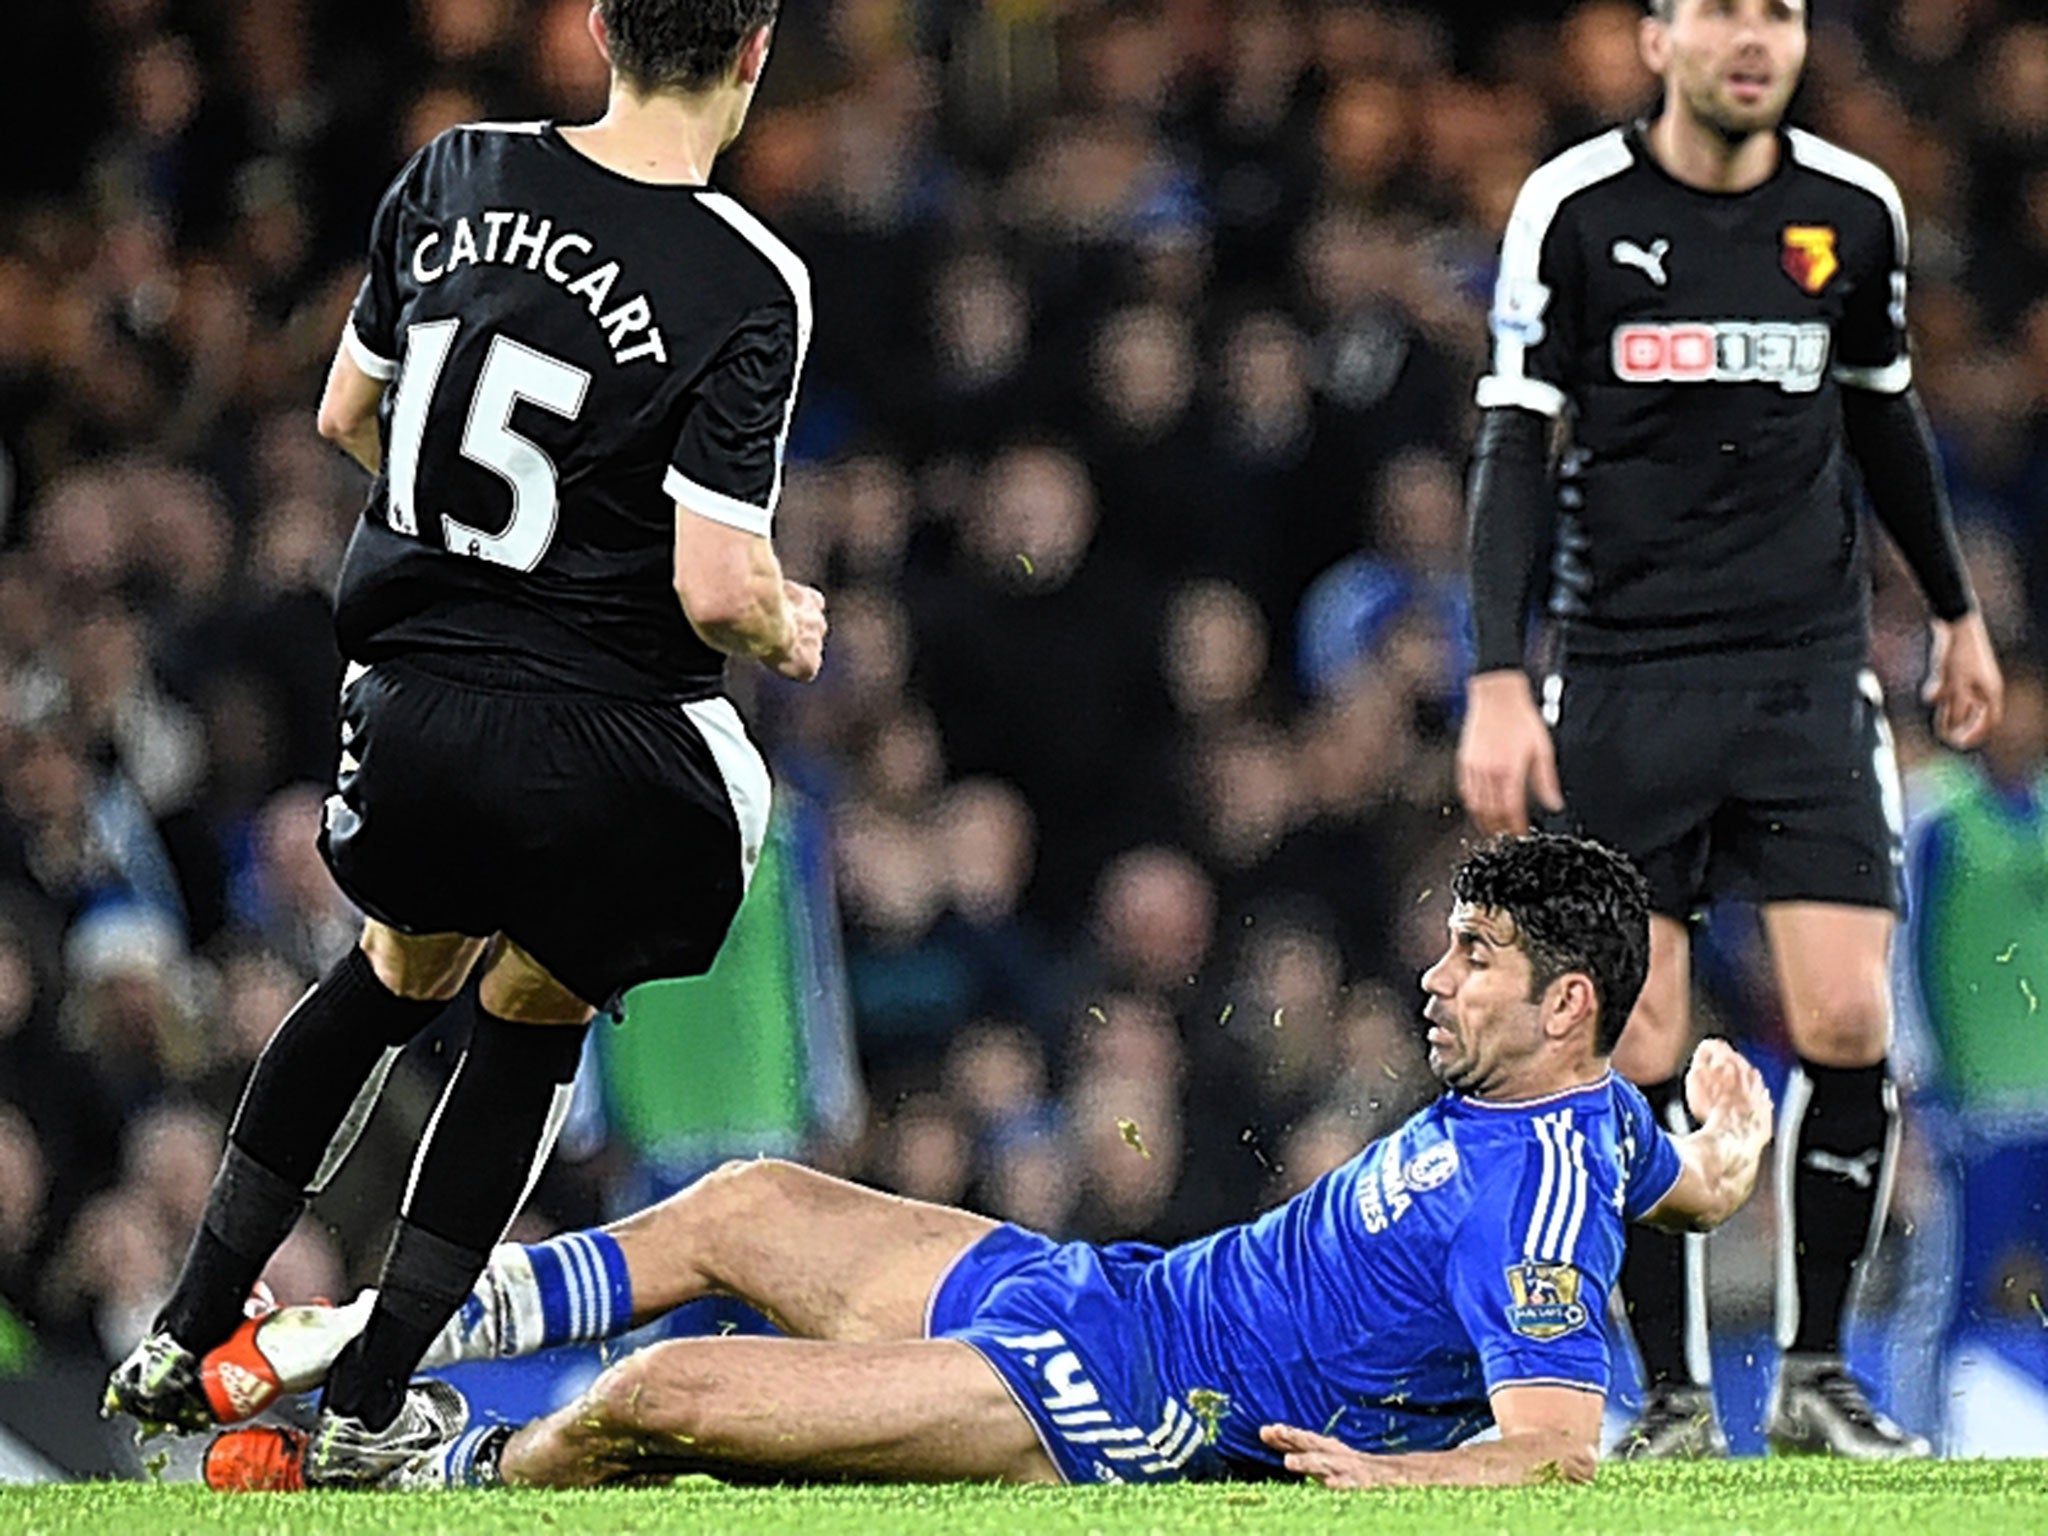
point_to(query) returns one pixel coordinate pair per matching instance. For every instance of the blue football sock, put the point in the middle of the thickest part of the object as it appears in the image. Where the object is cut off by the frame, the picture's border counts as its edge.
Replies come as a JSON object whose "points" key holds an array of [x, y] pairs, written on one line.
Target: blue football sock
{"points": [[584, 1291]]}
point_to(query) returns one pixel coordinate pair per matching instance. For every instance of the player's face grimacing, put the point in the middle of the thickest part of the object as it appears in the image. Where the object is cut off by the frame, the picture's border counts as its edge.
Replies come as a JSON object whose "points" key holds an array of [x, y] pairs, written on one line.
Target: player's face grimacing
{"points": [[1483, 1022], [1732, 65]]}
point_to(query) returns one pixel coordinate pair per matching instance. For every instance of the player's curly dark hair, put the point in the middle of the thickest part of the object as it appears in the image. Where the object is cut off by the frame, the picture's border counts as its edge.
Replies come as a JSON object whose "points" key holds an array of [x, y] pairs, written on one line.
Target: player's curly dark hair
{"points": [[1577, 905], [680, 45]]}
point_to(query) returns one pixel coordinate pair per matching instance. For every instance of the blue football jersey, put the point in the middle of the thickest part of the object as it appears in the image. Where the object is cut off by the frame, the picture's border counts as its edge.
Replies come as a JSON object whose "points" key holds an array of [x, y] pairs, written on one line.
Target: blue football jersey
{"points": [[1471, 1249]]}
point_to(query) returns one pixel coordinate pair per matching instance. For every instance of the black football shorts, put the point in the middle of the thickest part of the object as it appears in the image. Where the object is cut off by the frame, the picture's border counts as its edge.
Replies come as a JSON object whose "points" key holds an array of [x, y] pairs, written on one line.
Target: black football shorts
{"points": [[610, 839], [1760, 791]]}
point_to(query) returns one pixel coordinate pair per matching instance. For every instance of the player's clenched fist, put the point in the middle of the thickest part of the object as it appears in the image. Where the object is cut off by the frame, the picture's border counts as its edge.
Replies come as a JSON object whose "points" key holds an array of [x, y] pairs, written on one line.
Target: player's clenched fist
{"points": [[1964, 683], [1505, 754], [805, 653]]}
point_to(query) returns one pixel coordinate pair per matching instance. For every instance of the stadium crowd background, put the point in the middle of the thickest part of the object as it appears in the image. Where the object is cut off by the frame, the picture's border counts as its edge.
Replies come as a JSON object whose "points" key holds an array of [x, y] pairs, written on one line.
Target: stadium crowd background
{"points": [[1129, 454]]}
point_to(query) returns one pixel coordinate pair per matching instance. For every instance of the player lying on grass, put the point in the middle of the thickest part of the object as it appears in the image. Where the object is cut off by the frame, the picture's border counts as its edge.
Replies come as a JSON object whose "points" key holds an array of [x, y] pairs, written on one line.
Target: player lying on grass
{"points": [[1453, 1275]]}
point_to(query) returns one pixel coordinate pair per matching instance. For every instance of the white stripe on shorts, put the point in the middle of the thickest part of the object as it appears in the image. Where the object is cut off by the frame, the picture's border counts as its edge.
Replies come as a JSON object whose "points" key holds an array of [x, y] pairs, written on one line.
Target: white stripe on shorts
{"points": [[745, 775]]}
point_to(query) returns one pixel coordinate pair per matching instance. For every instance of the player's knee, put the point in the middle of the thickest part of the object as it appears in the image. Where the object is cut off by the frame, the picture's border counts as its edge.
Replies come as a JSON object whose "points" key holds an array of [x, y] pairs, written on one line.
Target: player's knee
{"points": [[692, 1225], [751, 1181], [654, 1394], [733, 1198], [1842, 1018], [1579, 1464], [1845, 1028], [617, 1402]]}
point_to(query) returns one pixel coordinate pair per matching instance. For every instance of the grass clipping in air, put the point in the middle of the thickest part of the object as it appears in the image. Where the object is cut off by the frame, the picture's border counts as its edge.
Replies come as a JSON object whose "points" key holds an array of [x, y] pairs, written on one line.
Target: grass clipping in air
{"points": [[1806, 1497]]}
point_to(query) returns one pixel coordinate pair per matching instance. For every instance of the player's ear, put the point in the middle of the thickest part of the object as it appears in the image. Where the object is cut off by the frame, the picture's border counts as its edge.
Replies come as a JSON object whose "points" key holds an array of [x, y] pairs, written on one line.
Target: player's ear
{"points": [[598, 34], [1571, 1004], [1653, 41], [753, 56]]}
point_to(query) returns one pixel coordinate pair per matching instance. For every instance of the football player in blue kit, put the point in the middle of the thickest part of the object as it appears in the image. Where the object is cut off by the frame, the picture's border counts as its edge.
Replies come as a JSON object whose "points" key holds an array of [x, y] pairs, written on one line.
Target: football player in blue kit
{"points": [[1451, 1277]]}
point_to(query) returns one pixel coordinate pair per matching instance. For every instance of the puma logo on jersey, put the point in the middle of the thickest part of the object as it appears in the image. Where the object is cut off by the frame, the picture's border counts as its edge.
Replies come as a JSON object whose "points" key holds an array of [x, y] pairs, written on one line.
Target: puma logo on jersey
{"points": [[1794, 357], [1860, 1170], [1650, 263]]}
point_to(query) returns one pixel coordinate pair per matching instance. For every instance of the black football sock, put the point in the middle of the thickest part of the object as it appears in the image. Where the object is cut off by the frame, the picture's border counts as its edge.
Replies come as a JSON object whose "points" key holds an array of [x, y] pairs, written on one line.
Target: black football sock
{"points": [[1835, 1152], [330, 1051], [468, 1181], [1654, 1277]]}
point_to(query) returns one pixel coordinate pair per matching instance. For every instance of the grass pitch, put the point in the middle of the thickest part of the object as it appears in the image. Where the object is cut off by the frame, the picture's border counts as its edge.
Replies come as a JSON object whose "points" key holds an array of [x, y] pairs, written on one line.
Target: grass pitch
{"points": [[1808, 1498]]}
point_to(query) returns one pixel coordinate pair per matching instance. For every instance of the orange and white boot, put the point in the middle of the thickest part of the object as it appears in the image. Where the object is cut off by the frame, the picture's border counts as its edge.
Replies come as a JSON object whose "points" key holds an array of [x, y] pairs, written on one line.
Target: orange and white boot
{"points": [[280, 1352]]}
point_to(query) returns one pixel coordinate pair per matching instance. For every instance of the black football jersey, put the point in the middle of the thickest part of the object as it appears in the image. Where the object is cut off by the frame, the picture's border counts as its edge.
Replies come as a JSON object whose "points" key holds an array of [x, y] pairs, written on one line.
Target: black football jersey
{"points": [[1696, 343], [572, 354]]}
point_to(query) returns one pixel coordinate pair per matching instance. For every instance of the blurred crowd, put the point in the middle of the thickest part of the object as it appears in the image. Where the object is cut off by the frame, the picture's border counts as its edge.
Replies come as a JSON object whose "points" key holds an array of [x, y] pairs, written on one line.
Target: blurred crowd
{"points": [[1130, 456]]}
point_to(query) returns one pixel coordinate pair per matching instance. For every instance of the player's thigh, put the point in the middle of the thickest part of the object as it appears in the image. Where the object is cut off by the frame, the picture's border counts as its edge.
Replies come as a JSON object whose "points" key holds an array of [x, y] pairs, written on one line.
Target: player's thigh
{"points": [[420, 965], [518, 987], [827, 1259], [1654, 1044], [1816, 816], [928, 1410], [1640, 770], [1833, 964]]}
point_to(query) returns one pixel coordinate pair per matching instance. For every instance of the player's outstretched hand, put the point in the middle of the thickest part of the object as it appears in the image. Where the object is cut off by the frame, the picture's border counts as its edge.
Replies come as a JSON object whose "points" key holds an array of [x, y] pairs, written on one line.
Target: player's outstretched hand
{"points": [[806, 653], [1725, 1093], [1505, 754], [1963, 682], [1330, 1462]]}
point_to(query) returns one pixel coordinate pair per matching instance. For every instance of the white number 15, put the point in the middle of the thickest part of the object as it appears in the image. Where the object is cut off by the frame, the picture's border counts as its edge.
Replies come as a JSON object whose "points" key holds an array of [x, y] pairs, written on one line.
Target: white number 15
{"points": [[512, 372]]}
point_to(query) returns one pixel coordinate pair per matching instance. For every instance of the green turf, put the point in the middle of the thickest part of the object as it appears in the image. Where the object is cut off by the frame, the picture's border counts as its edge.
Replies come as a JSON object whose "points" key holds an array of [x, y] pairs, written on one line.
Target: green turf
{"points": [[1809, 1498]]}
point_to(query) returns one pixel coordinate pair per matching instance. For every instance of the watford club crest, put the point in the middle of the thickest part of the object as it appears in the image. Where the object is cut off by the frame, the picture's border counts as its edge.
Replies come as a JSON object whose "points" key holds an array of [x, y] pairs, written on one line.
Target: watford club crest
{"points": [[1808, 255]]}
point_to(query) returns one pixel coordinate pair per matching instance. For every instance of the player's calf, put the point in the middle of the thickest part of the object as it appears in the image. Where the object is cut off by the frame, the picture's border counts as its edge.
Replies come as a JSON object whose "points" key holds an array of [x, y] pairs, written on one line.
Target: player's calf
{"points": [[308, 1098]]}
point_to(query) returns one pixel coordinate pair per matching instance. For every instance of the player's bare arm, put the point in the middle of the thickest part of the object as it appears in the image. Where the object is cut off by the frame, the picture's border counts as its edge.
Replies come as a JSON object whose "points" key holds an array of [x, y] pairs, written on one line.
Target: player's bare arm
{"points": [[1547, 1434], [348, 411], [1721, 1159], [735, 596]]}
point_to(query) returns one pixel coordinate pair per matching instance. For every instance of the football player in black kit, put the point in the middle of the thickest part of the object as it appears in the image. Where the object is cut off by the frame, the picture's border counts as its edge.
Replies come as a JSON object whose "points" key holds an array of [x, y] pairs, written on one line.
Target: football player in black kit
{"points": [[571, 367], [1713, 307]]}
